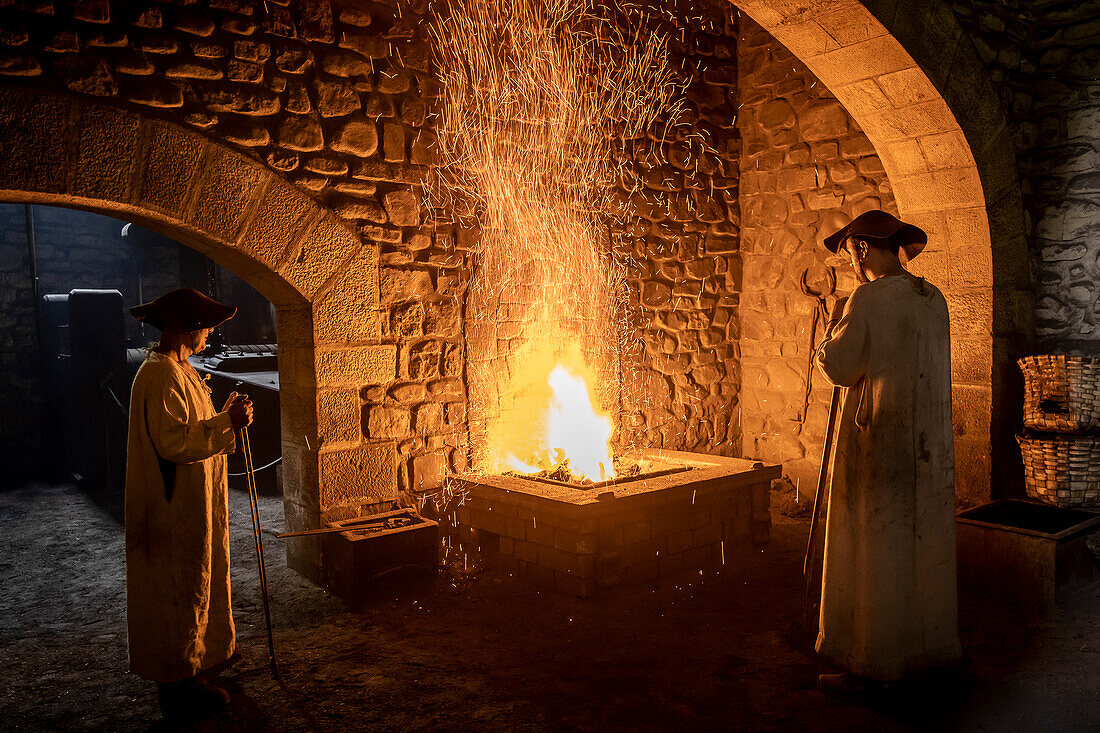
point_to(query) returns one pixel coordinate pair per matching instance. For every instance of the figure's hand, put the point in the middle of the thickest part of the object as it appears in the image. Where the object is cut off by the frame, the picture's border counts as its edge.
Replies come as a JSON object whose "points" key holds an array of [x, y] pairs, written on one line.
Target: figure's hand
{"points": [[232, 398], [240, 410]]}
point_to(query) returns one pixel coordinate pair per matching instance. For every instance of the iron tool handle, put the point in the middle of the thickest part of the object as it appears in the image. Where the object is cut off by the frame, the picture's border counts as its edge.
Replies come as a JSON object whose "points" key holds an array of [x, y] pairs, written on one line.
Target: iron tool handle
{"points": [[822, 476], [254, 501]]}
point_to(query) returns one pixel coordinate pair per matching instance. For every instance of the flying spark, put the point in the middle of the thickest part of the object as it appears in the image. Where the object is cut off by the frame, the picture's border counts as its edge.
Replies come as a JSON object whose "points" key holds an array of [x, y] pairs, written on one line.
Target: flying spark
{"points": [[543, 105]]}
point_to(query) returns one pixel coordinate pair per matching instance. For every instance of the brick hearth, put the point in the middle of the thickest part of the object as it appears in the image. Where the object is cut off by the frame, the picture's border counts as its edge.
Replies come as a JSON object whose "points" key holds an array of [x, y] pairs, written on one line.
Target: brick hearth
{"points": [[580, 541]]}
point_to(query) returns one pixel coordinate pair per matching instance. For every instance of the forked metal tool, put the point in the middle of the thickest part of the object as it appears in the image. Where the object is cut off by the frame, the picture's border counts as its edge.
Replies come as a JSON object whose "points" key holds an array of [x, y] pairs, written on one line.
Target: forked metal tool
{"points": [[821, 315]]}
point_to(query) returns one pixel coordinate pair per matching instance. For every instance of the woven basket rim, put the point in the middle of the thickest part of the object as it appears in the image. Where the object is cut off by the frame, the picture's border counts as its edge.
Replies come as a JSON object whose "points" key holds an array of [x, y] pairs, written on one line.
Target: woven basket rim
{"points": [[1049, 428], [1053, 435], [1036, 358]]}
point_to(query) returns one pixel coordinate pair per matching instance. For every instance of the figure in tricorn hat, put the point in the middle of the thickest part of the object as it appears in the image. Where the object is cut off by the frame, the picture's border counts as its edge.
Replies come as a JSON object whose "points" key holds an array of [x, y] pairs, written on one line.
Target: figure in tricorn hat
{"points": [[888, 598], [177, 528]]}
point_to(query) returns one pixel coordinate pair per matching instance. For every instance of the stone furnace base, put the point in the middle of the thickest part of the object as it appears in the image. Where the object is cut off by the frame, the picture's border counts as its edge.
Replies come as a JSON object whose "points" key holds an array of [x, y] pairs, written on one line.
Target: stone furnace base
{"points": [[579, 541]]}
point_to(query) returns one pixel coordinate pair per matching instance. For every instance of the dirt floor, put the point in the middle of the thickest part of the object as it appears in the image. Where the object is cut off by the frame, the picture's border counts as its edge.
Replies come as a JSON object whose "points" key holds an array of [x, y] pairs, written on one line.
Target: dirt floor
{"points": [[711, 652]]}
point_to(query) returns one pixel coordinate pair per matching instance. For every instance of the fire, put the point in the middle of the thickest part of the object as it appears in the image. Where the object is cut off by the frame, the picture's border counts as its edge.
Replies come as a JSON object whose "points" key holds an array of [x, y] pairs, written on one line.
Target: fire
{"points": [[575, 428], [539, 101], [566, 424]]}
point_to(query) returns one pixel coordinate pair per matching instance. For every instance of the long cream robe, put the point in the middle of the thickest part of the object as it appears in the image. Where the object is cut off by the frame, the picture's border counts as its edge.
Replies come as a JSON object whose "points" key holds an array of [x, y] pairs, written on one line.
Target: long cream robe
{"points": [[177, 551], [888, 598]]}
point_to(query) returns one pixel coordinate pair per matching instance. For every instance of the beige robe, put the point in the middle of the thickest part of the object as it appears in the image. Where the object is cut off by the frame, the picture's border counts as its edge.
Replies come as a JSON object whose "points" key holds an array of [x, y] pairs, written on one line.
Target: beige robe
{"points": [[888, 597], [177, 551]]}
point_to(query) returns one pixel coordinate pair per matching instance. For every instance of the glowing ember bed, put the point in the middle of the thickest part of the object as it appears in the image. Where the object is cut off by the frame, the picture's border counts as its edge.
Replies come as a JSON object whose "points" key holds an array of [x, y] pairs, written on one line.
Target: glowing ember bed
{"points": [[687, 512]]}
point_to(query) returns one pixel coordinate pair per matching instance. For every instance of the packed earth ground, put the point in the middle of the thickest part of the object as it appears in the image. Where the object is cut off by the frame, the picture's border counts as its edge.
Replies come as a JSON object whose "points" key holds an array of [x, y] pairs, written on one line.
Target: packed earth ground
{"points": [[711, 651]]}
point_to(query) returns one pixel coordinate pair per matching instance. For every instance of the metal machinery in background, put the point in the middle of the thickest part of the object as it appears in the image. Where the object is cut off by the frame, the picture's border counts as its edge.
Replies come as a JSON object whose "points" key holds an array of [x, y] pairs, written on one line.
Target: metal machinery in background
{"points": [[89, 372], [86, 365], [252, 370]]}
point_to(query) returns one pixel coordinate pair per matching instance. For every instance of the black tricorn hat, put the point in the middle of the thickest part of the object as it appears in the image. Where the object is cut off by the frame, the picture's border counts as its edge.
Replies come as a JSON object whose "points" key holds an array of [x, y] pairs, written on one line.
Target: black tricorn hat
{"points": [[186, 309], [880, 225]]}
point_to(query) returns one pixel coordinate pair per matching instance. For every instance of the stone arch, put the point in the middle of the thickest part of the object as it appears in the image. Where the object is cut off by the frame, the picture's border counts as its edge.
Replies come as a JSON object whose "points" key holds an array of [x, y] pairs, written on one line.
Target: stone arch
{"points": [[63, 151], [907, 75]]}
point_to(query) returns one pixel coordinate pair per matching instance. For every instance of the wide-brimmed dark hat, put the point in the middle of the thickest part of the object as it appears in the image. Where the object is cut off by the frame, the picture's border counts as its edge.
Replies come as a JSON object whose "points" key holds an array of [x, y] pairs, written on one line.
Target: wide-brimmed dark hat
{"points": [[186, 309], [880, 225]]}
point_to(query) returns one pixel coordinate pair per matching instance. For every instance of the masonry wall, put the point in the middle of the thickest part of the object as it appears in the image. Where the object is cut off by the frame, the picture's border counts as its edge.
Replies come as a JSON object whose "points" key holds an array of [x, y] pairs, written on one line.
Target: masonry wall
{"points": [[74, 249], [682, 366], [332, 98], [1043, 58], [806, 169], [675, 378]]}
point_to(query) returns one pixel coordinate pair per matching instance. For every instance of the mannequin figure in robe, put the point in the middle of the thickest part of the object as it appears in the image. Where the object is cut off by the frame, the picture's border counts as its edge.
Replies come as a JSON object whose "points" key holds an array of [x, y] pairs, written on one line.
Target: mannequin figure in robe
{"points": [[888, 598], [179, 618]]}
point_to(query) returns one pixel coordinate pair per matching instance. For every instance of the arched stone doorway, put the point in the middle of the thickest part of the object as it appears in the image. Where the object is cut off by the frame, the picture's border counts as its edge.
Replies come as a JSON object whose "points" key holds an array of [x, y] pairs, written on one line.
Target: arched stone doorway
{"points": [[60, 151], [899, 67], [908, 77]]}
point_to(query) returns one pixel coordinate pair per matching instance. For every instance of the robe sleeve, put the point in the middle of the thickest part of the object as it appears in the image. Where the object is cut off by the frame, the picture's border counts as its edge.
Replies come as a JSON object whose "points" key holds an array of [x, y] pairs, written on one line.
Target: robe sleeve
{"points": [[180, 438], [842, 356]]}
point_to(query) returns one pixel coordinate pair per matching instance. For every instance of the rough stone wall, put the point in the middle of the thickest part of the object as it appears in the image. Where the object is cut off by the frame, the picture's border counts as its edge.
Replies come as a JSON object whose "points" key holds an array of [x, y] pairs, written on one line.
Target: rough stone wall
{"points": [[805, 167], [1043, 57], [682, 369], [675, 378], [73, 249], [21, 397], [85, 250], [500, 329], [423, 287], [333, 97]]}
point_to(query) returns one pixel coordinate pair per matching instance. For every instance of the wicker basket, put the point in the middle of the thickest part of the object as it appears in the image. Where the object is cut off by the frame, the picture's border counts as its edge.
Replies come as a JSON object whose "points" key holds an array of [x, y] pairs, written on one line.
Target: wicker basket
{"points": [[1063, 470], [1061, 393]]}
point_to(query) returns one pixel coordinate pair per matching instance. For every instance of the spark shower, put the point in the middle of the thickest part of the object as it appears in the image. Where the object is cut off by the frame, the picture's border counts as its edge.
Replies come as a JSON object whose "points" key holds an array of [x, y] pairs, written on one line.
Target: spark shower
{"points": [[539, 98]]}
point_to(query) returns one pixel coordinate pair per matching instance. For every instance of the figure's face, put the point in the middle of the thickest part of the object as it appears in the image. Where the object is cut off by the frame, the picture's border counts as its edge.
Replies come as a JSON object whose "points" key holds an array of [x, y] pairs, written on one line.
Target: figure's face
{"points": [[198, 339], [857, 251]]}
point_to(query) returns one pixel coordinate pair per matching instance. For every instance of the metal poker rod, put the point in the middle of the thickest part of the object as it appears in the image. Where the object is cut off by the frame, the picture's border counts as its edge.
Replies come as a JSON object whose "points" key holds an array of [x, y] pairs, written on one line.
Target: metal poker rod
{"points": [[367, 525], [254, 502]]}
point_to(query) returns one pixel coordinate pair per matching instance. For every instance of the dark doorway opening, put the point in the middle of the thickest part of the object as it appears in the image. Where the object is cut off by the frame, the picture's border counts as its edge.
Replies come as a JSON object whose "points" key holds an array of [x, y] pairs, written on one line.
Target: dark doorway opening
{"points": [[69, 348]]}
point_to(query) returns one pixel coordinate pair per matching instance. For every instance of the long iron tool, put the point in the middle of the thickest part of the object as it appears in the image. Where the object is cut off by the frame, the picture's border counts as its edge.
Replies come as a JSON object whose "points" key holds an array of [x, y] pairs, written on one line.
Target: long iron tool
{"points": [[821, 315], [254, 501], [810, 568], [822, 480], [367, 525]]}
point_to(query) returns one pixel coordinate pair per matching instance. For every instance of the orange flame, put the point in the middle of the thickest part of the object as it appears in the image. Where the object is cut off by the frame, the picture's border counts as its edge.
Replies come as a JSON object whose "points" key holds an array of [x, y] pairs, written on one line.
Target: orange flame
{"points": [[552, 418], [574, 428], [540, 101]]}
